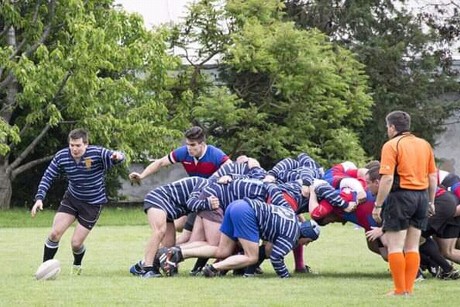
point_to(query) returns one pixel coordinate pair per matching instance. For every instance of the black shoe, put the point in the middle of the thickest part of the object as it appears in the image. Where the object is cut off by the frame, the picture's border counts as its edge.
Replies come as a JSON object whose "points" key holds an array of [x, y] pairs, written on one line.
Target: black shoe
{"points": [[197, 272], [210, 271], [451, 275], [137, 269]]}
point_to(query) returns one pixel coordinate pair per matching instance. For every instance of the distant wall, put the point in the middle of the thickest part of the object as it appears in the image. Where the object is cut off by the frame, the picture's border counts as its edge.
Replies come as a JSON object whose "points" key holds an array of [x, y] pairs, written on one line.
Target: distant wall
{"points": [[136, 193], [448, 149]]}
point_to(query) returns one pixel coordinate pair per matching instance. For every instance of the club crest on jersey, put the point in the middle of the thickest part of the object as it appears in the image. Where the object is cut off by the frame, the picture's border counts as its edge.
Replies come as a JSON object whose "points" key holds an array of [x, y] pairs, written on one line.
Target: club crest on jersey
{"points": [[88, 162]]}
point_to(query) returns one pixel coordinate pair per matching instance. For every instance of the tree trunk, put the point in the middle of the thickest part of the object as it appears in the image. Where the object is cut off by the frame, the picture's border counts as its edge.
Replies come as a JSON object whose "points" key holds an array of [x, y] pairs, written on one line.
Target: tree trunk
{"points": [[5, 188]]}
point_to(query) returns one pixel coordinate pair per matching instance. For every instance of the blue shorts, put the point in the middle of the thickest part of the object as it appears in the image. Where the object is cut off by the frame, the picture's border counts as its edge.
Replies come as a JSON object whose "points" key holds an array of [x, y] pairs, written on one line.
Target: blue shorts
{"points": [[240, 222]]}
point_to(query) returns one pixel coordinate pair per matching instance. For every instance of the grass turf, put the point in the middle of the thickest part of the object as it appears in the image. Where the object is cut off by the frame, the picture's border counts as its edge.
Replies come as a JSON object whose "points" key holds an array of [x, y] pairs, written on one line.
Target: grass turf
{"points": [[348, 274]]}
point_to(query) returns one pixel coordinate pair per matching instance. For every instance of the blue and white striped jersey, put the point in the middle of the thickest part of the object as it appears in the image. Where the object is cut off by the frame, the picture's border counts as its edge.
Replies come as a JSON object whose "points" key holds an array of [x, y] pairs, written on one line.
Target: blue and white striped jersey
{"points": [[289, 169], [279, 226], [239, 189], [239, 170], [85, 178], [172, 197]]}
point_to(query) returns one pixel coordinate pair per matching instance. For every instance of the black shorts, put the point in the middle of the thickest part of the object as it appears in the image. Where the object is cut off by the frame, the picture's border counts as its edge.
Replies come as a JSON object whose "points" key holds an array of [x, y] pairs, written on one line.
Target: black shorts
{"points": [[445, 206], [86, 214], [451, 231], [190, 221], [404, 208]]}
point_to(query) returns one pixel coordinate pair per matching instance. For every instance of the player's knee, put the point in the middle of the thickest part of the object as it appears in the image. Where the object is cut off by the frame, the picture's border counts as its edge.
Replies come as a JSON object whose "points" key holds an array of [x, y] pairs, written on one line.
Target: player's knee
{"points": [[76, 244], [55, 235], [222, 253]]}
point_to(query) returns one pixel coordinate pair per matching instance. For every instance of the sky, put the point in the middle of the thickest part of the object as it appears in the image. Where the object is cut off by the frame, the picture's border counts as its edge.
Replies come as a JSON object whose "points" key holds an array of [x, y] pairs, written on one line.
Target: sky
{"points": [[157, 12]]}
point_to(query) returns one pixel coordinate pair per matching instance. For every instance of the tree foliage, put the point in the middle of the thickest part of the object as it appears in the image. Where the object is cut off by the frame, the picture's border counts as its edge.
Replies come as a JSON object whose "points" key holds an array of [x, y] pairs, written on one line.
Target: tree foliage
{"points": [[407, 66], [282, 90], [79, 63]]}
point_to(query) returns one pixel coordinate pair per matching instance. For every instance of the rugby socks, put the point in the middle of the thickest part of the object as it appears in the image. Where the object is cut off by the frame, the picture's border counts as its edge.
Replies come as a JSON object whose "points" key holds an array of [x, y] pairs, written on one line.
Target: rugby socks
{"points": [[199, 264], [50, 249], [412, 265], [78, 255], [430, 250], [298, 257], [397, 264]]}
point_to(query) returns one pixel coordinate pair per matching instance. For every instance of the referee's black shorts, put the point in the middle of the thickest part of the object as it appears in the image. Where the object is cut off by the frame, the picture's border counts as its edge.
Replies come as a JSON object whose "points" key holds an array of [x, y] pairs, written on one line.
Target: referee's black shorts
{"points": [[404, 208]]}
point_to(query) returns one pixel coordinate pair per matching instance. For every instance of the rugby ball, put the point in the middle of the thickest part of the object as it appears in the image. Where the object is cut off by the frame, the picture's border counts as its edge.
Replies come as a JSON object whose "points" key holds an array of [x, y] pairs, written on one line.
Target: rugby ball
{"points": [[48, 270]]}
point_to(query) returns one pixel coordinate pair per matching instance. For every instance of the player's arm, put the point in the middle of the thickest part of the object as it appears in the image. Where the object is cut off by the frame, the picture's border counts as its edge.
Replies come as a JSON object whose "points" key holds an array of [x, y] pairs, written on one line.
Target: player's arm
{"points": [[280, 248], [50, 174], [154, 167]]}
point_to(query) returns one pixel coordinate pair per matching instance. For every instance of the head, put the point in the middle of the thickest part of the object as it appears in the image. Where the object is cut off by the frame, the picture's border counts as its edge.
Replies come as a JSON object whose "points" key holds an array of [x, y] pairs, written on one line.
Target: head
{"points": [[397, 122], [373, 179], [309, 230], [196, 141], [78, 142]]}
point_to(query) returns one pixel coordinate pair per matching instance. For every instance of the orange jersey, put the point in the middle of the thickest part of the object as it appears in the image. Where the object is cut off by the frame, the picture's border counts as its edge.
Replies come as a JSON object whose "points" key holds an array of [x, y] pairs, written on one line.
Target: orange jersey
{"points": [[414, 159]]}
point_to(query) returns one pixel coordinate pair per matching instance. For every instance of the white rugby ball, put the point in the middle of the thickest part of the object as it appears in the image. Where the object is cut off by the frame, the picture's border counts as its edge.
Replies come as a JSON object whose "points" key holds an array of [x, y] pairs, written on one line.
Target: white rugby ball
{"points": [[48, 270]]}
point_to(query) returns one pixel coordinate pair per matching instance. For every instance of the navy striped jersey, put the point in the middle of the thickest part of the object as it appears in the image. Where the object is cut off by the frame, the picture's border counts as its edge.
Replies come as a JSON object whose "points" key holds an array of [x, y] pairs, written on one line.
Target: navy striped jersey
{"points": [[239, 189], [240, 170], [327, 192], [85, 178], [294, 190], [172, 197], [289, 169], [279, 226]]}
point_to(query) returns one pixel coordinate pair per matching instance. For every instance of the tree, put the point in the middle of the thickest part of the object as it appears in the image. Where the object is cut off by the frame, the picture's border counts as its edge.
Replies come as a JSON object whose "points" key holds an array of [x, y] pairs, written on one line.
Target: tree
{"points": [[79, 63], [406, 65], [281, 90]]}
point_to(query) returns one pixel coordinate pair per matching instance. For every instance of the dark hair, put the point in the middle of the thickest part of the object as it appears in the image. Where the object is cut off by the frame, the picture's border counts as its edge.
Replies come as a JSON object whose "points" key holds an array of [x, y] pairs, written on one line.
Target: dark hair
{"points": [[372, 163], [195, 134], [400, 119], [374, 172], [79, 133]]}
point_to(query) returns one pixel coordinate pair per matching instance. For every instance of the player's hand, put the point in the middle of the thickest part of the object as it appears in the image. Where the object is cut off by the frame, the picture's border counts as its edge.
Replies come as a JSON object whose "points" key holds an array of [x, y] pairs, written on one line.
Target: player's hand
{"points": [[135, 178], [431, 210], [224, 179], [269, 179], [214, 201], [351, 206], [37, 206], [361, 197], [116, 156], [318, 182], [374, 233]]}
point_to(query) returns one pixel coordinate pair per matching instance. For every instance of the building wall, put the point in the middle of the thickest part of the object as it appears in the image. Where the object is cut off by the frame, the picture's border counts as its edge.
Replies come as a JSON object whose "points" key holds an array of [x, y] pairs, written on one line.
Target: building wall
{"points": [[133, 193], [447, 151]]}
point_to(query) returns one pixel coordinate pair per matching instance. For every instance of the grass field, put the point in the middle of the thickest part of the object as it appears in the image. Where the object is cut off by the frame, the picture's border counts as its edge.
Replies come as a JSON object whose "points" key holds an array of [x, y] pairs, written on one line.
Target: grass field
{"points": [[348, 274]]}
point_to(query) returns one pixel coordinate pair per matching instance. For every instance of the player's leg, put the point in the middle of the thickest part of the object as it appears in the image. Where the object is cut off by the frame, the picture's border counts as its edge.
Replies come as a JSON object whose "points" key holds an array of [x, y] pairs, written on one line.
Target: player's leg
{"points": [[157, 219], [61, 223], [87, 217], [65, 216]]}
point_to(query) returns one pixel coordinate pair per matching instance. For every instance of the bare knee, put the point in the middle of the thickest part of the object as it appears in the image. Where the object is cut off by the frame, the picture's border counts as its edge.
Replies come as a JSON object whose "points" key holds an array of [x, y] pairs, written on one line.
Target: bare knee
{"points": [[222, 253], [55, 235]]}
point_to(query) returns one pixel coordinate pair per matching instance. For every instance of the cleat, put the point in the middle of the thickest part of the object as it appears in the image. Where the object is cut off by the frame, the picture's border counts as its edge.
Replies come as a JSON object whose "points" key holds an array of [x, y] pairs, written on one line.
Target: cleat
{"points": [[259, 271], [75, 270], [451, 275], [151, 274], [170, 260], [209, 271], [137, 269], [248, 275], [420, 276], [197, 272], [306, 270]]}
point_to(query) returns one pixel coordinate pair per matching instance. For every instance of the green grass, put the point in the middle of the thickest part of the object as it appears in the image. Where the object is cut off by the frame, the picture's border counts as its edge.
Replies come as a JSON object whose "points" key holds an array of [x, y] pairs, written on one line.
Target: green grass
{"points": [[348, 274]]}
